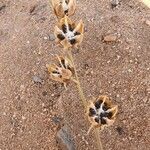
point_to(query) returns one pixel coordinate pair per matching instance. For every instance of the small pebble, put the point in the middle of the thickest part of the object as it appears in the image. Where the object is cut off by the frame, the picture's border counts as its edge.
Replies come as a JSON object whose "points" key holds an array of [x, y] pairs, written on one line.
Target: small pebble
{"points": [[23, 117], [56, 119], [129, 70], [37, 79], [110, 38], [114, 3], [52, 95], [118, 95], [45, 38], [51, 37], [145, 100], [147, 22]]}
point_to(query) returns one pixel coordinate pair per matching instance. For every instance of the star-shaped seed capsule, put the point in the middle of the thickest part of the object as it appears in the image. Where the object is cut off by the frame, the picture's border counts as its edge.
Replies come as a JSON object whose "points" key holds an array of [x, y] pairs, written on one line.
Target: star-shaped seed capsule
{"points": [[68, 34], [101, 112], [64, 7], [63, 72]]}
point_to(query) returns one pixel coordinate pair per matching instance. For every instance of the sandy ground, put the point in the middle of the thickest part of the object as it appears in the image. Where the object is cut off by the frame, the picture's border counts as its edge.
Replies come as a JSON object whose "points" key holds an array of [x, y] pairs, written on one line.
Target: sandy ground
{"points": [[119, 69]]}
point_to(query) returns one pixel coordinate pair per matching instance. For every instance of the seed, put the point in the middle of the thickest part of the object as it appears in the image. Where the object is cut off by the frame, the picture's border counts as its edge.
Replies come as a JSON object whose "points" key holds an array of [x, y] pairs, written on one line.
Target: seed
{"points": [[73, 41], [55, 72], [109, 115], [66, 1], [77, 33], [98, 104], [70, 27], [92, 112], [64, 28], [97, 119], [66, 11], [63, 63], [103, 121], [105, 107], [60, 36]]}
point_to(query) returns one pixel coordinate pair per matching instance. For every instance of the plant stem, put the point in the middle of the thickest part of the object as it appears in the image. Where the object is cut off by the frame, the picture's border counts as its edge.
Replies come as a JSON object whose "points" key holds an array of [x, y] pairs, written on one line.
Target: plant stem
{"points": [[98, 139], [80, 90], [84, 101]]}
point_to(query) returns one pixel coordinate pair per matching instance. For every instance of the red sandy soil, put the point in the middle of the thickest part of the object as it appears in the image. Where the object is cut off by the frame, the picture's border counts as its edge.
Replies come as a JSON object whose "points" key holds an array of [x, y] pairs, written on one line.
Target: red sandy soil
{"points": [[119, 69]]}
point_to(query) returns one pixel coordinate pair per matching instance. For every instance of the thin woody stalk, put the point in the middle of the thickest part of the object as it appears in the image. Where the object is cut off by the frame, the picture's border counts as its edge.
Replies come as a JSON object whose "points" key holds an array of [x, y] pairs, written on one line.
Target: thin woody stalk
{"points": [[80, 90], [84, 101]]}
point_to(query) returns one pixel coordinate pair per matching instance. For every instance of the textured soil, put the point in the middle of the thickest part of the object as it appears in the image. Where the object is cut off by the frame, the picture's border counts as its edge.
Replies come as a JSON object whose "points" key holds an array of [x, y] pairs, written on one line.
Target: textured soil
{"points": [[30, 101]]}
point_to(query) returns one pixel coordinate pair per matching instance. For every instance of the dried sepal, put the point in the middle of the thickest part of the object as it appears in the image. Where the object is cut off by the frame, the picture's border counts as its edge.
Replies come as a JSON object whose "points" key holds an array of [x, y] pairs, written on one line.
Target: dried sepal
{"points": [[66, 63], [101, 112], [63, 72], [63, 7], [68, 34]]}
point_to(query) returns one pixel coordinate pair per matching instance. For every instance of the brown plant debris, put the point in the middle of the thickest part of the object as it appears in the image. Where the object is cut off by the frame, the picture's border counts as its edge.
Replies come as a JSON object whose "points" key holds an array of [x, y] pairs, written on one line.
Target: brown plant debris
{"points": [[68, 34], [64, 7], [101, 112], [63, 72]]}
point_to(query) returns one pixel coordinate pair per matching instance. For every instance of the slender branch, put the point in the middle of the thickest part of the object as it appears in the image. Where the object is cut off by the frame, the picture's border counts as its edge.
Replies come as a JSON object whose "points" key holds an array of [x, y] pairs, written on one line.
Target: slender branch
{"points": [[78, 81], [98, 139], [84, 101]]}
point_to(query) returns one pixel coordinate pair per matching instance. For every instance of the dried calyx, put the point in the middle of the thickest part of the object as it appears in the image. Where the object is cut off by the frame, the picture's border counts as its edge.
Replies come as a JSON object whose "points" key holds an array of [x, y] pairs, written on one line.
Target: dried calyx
{"points": [[101, 112], [63, 72], [64, 7], [68, 33]]}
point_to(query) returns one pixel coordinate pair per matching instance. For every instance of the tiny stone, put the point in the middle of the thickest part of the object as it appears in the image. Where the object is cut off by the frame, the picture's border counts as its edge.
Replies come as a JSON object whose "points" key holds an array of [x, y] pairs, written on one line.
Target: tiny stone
{"points": [[145, 99], [131, 61], [108, 61], [23, 117], [129, 70], [43, 104], [56, 119], [45, 38], [118, 57], [37, 79], [4, 113], [147, 22], [51, 37], [110, 38], [114, 3], [52, 95], [44, 110], [118, 95]]}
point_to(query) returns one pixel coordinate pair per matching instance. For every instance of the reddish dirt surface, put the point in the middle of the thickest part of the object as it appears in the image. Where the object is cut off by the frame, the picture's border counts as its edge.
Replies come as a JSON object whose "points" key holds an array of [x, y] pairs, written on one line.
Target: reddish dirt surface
{"points": [[119, 69]]}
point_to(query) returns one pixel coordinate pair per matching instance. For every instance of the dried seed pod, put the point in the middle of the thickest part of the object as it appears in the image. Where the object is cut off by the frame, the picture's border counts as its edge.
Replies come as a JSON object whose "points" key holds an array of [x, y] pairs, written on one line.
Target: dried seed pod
{"points": [[63, 7], [101, 112], [65, 63], [68, 34], [63, 72]]}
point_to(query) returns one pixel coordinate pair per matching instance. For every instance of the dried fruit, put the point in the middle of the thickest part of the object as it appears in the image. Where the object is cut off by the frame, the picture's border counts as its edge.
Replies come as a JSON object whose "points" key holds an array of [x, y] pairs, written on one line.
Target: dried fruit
{"points": [[68, 33], [63, 72], [101, 112], [63, 7]]}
